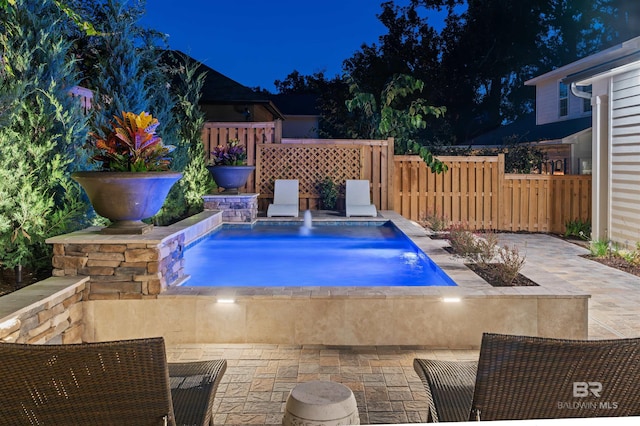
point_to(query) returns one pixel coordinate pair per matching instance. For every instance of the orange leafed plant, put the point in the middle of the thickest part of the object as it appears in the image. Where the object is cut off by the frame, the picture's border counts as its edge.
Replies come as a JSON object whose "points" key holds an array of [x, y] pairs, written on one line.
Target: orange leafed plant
{"points": [[131, 145]]}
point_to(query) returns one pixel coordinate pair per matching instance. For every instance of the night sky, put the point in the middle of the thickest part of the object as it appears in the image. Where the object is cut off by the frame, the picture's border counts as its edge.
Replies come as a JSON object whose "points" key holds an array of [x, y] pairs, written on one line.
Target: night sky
{"points": [[256, 42]]}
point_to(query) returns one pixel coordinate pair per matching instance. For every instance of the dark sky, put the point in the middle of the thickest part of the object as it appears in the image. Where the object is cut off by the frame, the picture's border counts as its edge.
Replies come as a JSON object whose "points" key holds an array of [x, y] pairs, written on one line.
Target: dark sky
{"points": [[256, 41]]}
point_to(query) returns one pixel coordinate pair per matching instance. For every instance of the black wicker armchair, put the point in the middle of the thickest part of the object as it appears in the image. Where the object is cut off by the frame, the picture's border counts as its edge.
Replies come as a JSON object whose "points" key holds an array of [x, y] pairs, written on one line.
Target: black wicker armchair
{"points": [[518, 377], [126, 382]]}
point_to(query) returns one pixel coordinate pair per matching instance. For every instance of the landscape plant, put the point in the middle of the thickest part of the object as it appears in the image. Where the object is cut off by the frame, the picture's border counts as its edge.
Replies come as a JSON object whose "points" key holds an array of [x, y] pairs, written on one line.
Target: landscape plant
{"points": [[510, 264], [600, 248], [462, 241], [498, 265], [41, 129], [436, 222], [196, 180], [328, 192], [130, 144], [231, 154], [398, 113], [578, 228]]}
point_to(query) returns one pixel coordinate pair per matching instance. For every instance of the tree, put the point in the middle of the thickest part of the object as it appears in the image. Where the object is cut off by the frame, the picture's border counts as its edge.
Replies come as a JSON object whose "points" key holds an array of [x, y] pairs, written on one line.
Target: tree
{"points": [[186, 86], [42, 128], [396, 114]]}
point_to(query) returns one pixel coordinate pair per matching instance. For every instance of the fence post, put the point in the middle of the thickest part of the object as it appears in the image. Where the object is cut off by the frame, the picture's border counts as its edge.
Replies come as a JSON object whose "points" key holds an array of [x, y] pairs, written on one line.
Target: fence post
{"points": [[501, 183], [390, 173]]}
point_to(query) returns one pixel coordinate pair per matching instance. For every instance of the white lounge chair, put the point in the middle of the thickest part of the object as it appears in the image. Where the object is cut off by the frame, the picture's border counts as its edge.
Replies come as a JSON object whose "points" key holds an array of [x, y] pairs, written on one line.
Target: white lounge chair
{"points": [[285, 199], [358, 199]]}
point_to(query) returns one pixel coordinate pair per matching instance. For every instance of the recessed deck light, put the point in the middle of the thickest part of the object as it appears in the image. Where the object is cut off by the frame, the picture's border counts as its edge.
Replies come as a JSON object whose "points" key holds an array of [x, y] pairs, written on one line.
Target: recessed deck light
{"points": [[226, 301], [451, 299]]}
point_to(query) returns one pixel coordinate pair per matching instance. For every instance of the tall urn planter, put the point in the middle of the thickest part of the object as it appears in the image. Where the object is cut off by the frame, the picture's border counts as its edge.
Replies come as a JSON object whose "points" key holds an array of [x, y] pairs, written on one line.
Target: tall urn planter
{"points": [[126, 198]]}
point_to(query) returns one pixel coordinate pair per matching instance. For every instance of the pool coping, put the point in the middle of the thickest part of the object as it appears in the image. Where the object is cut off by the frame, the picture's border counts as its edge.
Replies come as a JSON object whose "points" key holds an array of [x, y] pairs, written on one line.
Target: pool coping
{"points": [[469, 285]]}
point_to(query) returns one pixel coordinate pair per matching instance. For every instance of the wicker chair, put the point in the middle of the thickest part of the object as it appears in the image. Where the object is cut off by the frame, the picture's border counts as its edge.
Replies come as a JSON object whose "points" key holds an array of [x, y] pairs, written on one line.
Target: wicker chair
{"points": [[126, 383], [518, 377]]}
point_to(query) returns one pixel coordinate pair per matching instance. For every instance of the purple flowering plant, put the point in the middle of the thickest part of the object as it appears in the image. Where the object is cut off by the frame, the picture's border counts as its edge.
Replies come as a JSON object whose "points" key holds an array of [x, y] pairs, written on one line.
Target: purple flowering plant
{"points": [[233, 154]]}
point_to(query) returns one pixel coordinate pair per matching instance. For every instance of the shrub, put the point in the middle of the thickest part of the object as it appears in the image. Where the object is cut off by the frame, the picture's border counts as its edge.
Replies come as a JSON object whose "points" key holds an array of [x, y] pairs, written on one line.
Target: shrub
{"points": [[42, 128], [486, 247], [328, 192], [463, 242], [511, 262], [435, 222]]}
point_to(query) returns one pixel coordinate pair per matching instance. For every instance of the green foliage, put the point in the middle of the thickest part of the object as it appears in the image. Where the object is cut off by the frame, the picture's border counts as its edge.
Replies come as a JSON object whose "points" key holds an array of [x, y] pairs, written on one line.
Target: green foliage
{"points": [[521, 158], [600, 248], [185, 198], [42, 128], [397, 114], [578, 228], [118, 65], [328, 192]]}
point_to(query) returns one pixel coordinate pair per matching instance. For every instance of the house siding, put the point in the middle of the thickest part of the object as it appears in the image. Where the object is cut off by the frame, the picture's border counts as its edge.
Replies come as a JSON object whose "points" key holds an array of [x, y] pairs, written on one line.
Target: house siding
{"points": [[625, 158], [548, 104]]}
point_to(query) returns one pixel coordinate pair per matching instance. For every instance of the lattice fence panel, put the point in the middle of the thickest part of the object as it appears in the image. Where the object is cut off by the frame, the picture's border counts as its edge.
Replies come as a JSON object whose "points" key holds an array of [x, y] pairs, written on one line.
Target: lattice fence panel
{"points": [[308, 163]]}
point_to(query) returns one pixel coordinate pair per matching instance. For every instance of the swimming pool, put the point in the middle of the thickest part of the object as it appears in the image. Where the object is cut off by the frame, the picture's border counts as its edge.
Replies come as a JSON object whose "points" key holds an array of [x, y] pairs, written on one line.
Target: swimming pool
{"points": [[268, 255]]}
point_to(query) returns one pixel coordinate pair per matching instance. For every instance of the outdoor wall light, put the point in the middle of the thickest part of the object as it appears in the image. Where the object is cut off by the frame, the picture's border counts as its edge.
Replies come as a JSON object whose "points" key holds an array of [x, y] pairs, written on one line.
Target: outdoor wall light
{"points": [[451, 299], [227, 301]]}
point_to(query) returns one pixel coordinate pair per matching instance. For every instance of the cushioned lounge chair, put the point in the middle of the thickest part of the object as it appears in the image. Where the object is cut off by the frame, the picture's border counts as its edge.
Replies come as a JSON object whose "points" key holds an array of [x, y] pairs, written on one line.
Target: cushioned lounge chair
{"points": [[358, 199], [519, 378], [286, 200], [125, 382]]}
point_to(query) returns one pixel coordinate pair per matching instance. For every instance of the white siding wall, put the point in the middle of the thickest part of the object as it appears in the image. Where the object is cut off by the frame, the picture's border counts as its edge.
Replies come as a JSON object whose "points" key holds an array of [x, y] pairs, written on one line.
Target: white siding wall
{"points": [[547, 103], [625, 158]]}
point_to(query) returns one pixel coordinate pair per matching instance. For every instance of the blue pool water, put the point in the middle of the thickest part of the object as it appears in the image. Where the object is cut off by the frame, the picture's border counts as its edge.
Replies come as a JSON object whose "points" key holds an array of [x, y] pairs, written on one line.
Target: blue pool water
{"points": [[285, 255]]}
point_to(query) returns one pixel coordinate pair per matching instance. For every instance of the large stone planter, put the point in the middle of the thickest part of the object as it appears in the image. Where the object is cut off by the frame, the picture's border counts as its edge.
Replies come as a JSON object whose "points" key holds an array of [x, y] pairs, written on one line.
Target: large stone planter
{"points": [[231, 178], [126, 198]]}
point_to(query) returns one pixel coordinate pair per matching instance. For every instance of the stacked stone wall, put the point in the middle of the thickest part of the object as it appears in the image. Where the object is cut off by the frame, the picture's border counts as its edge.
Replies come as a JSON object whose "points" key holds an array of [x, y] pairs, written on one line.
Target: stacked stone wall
{"points": [[122, 271], [46, 312]]}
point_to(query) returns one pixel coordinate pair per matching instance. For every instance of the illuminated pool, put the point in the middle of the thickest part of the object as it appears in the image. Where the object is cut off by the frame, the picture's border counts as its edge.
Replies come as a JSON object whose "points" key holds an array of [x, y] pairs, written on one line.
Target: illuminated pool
{"points": [[279, 255]]}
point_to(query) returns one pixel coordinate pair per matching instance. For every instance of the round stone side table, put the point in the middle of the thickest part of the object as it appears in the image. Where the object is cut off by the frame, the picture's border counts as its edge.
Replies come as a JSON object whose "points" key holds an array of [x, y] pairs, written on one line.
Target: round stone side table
{"points": [[321, 403]]}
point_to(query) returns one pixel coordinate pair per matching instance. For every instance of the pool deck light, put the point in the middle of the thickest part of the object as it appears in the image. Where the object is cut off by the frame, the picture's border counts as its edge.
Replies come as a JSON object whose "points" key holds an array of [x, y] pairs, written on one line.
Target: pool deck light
{"points": [[226, 300], [451, 299]]}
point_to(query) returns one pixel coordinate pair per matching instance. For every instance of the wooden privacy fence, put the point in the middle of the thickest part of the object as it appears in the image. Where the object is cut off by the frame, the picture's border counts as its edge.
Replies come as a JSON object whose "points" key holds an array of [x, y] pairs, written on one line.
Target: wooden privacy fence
{"points": [[312, 160], [248, 134], [477, 192]]}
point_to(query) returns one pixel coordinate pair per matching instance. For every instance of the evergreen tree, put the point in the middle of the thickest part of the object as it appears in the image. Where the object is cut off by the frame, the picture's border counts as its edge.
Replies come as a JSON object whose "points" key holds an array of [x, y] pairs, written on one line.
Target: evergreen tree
{"points": [[42, 128], [185, 198], [197, 180]]}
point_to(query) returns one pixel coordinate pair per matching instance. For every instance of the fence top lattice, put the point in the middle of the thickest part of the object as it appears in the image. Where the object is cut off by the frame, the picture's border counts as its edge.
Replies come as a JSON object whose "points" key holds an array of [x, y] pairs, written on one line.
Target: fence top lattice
{"points": [[284, 161]]}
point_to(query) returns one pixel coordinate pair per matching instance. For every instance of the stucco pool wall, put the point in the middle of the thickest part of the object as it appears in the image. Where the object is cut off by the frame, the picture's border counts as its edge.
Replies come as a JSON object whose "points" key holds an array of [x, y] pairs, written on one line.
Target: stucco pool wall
{"points": [[349, 315]]}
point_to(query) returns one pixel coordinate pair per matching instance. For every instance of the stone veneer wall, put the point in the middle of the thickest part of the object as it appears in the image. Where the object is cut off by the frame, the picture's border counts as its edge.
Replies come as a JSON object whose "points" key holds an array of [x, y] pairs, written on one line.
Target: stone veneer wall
{"points": [[235, 208], [49, 311], [133, 270], [129, 266]]}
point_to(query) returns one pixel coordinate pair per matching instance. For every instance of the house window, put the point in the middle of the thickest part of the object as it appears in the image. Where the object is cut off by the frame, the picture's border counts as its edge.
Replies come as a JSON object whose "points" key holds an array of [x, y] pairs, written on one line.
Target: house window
{"points": [[563, 96]]}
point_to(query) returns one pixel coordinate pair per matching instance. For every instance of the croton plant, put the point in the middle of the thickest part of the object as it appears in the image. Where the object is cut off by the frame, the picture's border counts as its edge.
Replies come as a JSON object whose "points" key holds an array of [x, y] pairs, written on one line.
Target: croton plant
{"points": [[130, 144]]}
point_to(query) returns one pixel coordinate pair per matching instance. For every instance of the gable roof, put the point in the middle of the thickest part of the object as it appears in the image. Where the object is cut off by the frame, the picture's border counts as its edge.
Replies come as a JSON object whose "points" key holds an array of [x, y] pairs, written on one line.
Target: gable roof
{"points": [[220, 89], [525, 129], [591, 62]]}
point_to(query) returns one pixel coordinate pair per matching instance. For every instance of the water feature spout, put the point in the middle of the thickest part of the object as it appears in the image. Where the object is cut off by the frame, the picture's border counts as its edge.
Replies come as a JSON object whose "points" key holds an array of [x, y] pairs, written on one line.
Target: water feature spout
{"points": [[307, 224]]}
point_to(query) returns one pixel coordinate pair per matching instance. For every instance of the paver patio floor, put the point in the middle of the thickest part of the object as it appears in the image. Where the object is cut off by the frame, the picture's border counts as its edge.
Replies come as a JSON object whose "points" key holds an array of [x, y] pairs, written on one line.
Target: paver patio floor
{"points": [[259, 377]]}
